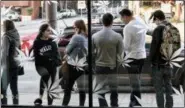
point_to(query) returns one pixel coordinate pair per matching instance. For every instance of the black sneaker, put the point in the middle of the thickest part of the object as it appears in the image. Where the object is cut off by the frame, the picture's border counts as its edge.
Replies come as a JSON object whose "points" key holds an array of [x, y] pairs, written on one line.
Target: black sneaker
{"points": [[38, 101], [134, 104]]}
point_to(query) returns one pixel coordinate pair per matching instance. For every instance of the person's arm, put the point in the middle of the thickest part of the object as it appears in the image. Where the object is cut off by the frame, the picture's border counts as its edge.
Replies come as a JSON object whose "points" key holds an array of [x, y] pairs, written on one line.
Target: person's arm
{"points": [[120, 46], [72, 44], [149, 32], [5, 49], [55, 54], [155, 44], [93, 53], [35, 50], [127, 39], [93, 47]]}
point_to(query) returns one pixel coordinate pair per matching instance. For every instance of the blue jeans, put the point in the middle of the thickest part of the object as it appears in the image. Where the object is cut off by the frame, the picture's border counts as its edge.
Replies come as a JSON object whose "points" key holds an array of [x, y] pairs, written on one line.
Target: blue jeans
{"points": [[162, 76]]}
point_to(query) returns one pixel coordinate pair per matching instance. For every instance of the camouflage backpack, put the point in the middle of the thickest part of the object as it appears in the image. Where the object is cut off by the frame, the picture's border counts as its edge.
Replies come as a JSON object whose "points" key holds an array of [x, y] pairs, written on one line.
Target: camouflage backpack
{"points": [[171, 40]]}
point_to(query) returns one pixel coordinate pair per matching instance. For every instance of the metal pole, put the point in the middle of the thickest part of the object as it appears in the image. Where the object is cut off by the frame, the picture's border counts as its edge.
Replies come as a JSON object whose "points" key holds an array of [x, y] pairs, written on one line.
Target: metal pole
{"points": [[66, 4], [81, 11], [1, 45], [43, 9], [90, 54], [51, 12]]}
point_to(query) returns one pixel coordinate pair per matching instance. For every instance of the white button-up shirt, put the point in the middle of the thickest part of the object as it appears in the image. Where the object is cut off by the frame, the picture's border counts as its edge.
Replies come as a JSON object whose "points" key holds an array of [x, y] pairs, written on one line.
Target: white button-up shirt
{"points": [[134, 39]]}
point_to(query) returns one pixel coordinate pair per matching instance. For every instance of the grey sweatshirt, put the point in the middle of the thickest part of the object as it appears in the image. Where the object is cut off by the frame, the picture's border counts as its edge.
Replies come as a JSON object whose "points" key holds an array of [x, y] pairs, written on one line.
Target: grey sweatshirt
{"points": [[107, 45], [10, 41], [78, 46]]}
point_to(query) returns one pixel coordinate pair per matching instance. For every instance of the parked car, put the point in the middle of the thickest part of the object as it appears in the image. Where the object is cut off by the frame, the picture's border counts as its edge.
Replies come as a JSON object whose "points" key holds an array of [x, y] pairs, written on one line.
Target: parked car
{"points": [[27, 42], [96, 19], [113, 11], [73, 13], [82, 11], [12, 15], [64, 13]]}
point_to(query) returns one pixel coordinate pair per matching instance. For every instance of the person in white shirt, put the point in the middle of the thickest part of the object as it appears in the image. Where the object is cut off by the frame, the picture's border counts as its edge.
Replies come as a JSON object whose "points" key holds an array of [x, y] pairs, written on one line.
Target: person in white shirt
{"points": [[134, 46]]}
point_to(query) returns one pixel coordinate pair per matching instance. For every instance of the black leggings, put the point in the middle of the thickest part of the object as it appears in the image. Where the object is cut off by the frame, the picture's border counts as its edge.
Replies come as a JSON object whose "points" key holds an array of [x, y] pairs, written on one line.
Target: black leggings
{"points": [[6, 79], [73, 76], [44, 80]]}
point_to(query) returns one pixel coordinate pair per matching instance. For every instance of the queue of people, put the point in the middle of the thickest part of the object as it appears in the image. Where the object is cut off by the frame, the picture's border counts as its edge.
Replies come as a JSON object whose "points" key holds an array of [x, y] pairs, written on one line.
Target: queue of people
{"points": [[107, 45]]}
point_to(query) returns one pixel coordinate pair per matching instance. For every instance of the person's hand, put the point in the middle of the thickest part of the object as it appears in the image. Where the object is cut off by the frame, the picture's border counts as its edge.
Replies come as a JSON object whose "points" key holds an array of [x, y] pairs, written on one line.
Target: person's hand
{"points": [[64, 58]]}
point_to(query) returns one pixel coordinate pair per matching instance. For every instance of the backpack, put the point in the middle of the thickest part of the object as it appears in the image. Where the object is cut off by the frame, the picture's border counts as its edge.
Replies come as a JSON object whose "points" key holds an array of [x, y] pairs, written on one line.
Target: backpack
{"points": [[170, 41]]}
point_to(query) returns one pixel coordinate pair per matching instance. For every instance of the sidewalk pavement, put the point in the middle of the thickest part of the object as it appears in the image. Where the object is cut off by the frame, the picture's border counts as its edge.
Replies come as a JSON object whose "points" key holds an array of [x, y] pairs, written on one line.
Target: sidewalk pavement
{"points": [[148, 100]]}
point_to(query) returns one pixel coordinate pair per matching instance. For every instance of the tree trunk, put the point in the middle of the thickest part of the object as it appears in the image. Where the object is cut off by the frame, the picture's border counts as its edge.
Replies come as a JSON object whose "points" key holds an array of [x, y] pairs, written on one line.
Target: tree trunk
{"points": [[178, 10], [137, 7], [61, 4], [51, 12]]}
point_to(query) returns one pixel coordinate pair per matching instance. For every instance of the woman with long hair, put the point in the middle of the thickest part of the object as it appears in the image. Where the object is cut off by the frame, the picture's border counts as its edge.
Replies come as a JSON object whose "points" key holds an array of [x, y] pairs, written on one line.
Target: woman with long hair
{"points": [[77, 47], [9, 63], [47, 59]]}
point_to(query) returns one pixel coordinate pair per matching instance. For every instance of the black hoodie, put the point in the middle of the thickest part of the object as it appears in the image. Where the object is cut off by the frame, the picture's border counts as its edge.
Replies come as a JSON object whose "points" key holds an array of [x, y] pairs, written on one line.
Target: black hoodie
{"points": [[46, 53], [155, 54]]}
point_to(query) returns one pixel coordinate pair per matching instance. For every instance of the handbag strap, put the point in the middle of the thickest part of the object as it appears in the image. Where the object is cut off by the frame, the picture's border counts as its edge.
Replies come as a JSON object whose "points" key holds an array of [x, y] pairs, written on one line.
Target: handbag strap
{"points": [[116, 58]]}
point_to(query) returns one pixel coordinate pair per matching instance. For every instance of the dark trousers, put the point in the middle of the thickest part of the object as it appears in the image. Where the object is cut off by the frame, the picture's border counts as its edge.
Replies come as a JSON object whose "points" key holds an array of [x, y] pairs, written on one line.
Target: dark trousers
{"points": [[109, 78], [72, 77], [162, 77], [44, 80], [134, 71], [6, 79]]}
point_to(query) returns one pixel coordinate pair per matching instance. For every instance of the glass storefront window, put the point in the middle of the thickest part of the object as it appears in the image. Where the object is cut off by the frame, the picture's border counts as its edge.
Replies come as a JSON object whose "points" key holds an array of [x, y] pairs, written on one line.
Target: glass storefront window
{"points": [[45, 57]]}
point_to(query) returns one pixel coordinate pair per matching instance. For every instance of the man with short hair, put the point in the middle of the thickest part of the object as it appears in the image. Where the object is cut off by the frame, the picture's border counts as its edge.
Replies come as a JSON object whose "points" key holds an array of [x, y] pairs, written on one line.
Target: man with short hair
{"points": [[107, 45], [134, 47], [161, 72]]}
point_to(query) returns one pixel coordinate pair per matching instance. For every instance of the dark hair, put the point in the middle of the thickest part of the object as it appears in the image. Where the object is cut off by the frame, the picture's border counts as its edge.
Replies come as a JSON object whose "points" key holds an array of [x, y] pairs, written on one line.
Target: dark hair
{"points": [[107, 19], [80, 24], [126, 12], [157, 14], [8, 25], [42, 28]]}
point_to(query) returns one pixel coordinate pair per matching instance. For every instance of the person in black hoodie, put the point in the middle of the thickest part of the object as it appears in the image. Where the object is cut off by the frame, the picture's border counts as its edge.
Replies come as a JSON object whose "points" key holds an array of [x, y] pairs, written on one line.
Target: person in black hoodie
{"points": [[9, 63], [47, 59], [161, 72]]}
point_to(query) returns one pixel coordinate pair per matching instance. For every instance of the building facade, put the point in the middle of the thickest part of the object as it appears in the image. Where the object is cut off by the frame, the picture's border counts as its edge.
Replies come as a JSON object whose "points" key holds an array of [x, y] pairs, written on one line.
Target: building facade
{"points": [[22, 6]]}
